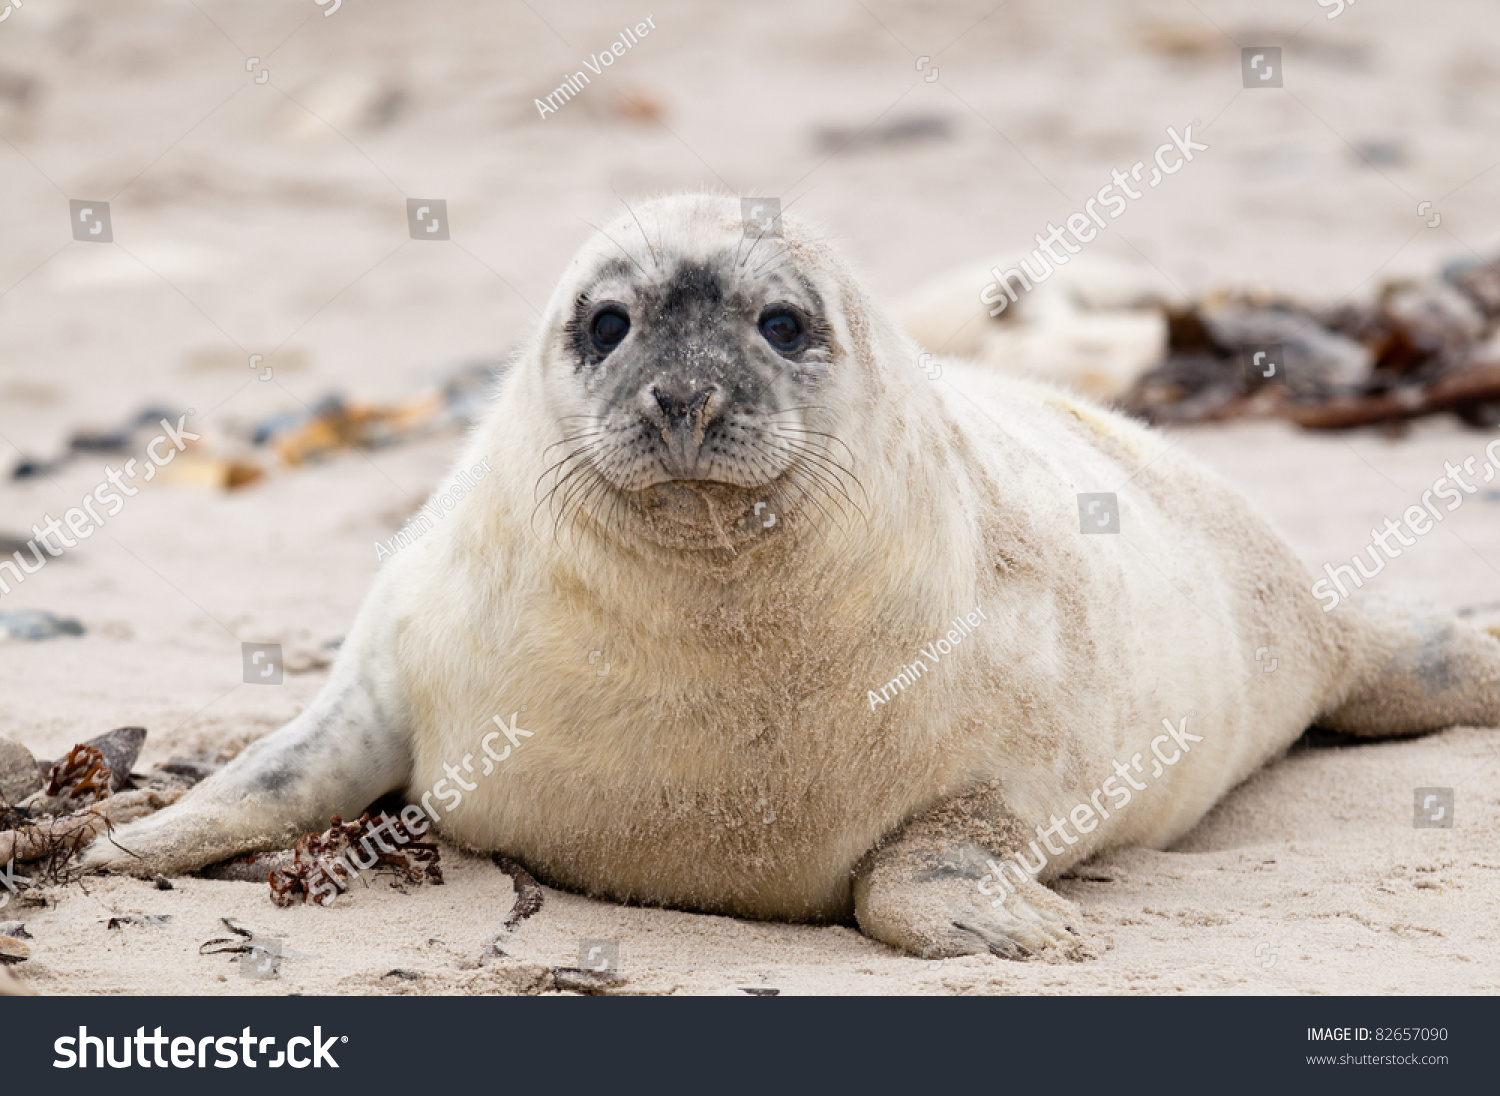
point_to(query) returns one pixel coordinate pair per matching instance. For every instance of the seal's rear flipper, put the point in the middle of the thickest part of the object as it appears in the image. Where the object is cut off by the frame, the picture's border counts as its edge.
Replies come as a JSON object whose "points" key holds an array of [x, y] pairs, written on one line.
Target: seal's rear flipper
{"points": [[335, 758], [1426, 672]]}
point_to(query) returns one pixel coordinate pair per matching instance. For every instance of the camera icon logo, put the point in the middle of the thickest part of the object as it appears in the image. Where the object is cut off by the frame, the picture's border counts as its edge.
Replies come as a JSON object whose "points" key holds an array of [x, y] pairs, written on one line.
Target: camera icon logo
{"points": [[761, 216], [1260, 66], [262, 960], [427, 218], [1098, 512], [91, 222], [600, 956], [1433, 809], [1265, 365], [262, 663]]}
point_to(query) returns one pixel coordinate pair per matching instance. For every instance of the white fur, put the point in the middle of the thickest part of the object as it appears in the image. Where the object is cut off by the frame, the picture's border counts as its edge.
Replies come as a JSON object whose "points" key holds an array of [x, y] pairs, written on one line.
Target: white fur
{"points": [[738, 681]]}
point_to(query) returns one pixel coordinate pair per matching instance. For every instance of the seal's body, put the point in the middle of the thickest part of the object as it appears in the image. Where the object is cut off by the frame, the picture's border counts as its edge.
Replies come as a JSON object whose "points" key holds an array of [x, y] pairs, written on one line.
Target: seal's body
{"points": [[798, 631]]}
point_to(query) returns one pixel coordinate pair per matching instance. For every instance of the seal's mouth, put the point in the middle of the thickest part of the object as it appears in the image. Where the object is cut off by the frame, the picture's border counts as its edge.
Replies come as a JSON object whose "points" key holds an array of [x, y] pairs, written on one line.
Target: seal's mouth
{"points": [[749, 480], [707, 513]]}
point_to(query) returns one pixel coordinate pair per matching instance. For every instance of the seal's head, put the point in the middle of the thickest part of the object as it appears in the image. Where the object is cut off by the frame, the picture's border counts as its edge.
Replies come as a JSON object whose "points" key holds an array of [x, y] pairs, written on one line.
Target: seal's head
{"points": [[692, 362]]}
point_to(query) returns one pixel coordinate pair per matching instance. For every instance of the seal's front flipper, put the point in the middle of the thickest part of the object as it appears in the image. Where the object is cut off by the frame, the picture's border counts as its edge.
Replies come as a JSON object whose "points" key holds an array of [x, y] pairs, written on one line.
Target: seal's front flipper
{"points": [[931, 888], [337, 757], [942, 902]]}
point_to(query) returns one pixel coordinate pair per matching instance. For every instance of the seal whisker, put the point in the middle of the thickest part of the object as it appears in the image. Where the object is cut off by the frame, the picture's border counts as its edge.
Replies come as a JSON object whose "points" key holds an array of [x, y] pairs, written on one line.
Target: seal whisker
{"points": [[574, 437], [821, 481], [827, 480], [655, 259], [559, 514], [579, 478], [829, 463], [742, 263], [600, 483], [548, 499], [587, 452], [792, 475], [779, 427], [582, 450], [617, 243]]}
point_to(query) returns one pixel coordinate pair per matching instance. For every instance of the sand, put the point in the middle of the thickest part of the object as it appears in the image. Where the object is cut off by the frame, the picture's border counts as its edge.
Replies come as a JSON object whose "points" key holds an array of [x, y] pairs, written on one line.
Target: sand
{"points": [[270, 218]]}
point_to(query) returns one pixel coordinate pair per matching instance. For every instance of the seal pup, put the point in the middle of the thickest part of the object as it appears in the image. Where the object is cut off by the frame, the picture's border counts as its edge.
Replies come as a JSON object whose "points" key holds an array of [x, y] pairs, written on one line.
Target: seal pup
{"points": [[799, 631]]}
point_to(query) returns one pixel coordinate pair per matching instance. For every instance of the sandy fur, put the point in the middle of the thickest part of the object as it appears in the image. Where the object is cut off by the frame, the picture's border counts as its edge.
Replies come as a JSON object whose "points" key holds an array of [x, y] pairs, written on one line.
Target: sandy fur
{"points": [[738, 679]]}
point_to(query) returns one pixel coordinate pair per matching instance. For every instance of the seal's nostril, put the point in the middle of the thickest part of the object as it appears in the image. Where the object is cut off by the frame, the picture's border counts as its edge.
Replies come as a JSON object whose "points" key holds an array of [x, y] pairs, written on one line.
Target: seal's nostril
{"points": [[690, 408]]}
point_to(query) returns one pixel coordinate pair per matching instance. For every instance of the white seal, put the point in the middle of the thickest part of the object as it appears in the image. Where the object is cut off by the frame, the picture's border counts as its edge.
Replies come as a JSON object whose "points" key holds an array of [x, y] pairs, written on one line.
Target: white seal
{"points": [[754, 615]]}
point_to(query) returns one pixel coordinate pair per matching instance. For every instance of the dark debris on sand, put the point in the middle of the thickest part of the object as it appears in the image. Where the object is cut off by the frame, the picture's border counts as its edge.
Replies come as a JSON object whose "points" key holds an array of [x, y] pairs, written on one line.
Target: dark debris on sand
{"points": [[323, 865], [49, 812], [1422, 347]]}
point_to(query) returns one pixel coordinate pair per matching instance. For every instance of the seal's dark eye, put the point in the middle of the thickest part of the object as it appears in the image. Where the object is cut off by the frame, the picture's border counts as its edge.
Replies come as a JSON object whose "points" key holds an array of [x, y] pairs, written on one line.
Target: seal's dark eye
{"points": [[782, 329], [608, 328]]}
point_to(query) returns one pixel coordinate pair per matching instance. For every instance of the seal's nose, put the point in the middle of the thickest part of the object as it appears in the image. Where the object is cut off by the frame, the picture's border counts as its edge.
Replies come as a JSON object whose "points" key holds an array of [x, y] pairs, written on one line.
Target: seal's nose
{"points": [[684, 413]]}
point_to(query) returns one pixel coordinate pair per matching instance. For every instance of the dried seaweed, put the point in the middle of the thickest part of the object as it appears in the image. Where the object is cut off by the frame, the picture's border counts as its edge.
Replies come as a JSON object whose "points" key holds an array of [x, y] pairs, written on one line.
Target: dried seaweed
{"points": [[528, 902], [324, 864], [84, 795], [51, 843], [528, 891], [1422, 347], [82, 776]]}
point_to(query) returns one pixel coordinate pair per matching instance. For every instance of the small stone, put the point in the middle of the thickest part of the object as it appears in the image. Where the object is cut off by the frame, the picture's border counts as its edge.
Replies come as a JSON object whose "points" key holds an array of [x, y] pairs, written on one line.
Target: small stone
{"points": [[162, 883], [194, 769], [146, 920], [16, 929], [761, 991], [28, 625], [13, 951], [591, 982], [18, 772], [403, 975]]}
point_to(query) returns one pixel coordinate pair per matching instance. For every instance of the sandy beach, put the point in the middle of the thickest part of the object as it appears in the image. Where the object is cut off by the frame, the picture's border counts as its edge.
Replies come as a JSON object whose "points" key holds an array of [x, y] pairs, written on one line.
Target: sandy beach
{"points": [[268, 219]]}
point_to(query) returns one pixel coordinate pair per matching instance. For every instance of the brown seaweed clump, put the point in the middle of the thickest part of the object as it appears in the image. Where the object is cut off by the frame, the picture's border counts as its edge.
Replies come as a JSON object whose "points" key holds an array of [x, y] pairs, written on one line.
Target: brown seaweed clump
{"points": [[324, 864], [1422, 347]]}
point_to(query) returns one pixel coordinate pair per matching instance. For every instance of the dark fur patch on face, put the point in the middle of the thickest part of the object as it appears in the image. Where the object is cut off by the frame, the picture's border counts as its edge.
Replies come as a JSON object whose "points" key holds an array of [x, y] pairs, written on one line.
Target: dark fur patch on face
{"points": [[707, 388], [580, 347], [691, 307]]}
